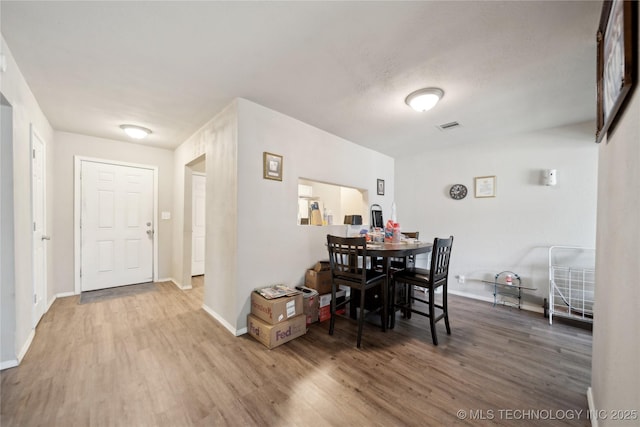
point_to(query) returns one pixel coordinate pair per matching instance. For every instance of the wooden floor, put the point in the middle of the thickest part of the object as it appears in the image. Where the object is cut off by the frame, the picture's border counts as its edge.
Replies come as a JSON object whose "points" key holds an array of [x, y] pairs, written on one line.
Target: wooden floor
{"points": [[157, 359]]}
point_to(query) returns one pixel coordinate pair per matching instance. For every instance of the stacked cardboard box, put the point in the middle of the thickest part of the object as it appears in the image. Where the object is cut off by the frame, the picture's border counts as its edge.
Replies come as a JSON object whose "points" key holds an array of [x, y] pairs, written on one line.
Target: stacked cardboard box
{"points": [[319, 277], [325, 305], [276, 321], [311, 303]]}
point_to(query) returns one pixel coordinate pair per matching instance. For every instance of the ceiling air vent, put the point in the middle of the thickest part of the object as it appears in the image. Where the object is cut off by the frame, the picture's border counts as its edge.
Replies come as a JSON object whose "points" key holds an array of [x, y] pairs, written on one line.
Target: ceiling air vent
{"points": [[448, 126]]}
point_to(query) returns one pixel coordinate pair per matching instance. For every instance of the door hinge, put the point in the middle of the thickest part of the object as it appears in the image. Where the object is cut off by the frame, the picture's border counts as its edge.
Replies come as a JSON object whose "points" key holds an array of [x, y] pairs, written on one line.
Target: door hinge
{"points": [[81, 272], [33, 153], [35, 298], [34, 226]]}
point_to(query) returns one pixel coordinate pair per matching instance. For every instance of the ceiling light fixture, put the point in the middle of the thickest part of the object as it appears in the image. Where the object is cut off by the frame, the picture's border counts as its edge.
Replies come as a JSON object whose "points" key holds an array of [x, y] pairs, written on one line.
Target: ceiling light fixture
{"points": [[135, 132], [424, 99]]}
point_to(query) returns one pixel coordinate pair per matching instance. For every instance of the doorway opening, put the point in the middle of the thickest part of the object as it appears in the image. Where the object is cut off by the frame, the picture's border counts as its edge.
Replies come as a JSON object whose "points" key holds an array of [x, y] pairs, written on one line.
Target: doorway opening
{"points": [[39, 221], [7, 255], [194, 260]]}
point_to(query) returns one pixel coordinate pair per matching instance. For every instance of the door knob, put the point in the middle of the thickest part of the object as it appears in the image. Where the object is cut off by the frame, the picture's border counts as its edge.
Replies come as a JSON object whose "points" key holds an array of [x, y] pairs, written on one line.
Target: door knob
{"points": [[150, 233]]}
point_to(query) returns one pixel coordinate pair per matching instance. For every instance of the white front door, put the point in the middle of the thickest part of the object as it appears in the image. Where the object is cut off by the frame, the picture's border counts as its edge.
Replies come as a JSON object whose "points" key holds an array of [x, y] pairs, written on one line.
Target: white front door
{"points": [[198, 197], [117, 228], [39, 217]]}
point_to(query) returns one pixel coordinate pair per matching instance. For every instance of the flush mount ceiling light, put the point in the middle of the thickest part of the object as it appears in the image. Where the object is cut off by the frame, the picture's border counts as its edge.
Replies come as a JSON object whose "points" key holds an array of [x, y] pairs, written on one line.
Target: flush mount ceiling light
{"points": [[135, 132], [424, 99]]}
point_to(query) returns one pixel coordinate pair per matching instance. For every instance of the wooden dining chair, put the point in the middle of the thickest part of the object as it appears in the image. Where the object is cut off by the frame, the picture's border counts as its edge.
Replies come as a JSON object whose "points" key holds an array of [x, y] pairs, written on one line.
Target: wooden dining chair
{"points": [[435, 277], [348, 261]]}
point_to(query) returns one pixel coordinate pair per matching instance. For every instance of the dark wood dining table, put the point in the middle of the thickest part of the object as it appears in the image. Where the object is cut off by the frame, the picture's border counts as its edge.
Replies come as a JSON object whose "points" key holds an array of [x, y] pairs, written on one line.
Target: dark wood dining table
{"points": [[389, 250]]}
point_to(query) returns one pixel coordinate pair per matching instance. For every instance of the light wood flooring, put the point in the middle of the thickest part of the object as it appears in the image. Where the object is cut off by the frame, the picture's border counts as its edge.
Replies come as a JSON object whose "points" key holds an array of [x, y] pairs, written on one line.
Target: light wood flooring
{"points": [[157, 359]]}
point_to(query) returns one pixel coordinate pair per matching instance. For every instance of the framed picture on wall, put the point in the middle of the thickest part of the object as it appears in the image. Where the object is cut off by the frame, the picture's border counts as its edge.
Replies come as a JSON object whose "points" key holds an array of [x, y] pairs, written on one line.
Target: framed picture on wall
{"points": [[381, 187], [485, 186], [272, 166], [617, 66]]}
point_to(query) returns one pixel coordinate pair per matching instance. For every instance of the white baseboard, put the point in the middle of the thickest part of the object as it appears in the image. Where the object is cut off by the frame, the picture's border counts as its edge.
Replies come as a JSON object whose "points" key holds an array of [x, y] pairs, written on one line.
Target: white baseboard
{"points": [[175, 282], [592, 407], [166, 279], [180, 285], [234, 331], [65, 294], [26, 345], [8, 364], [60, 295], [55, 297], [524, 306]]}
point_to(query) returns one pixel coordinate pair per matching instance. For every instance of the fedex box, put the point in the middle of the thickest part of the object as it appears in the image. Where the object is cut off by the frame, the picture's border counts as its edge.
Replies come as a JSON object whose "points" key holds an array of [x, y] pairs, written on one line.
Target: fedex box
{"points": [[276, 310], [274, 335]]}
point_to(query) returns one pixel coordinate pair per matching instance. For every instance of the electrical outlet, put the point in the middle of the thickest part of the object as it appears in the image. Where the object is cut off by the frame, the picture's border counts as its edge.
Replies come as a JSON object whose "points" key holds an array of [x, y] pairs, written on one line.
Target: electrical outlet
{"points": [[460, 279]]}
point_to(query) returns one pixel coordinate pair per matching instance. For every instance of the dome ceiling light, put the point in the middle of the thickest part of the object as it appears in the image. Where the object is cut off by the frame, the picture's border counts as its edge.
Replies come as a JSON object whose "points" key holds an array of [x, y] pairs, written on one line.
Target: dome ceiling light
{"points": [[424, 99], [135, 132]]}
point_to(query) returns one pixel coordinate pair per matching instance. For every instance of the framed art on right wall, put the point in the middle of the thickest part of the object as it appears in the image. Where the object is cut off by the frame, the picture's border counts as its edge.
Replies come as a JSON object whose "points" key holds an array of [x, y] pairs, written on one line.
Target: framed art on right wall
{"points": [[617, 65], [485, 186]]}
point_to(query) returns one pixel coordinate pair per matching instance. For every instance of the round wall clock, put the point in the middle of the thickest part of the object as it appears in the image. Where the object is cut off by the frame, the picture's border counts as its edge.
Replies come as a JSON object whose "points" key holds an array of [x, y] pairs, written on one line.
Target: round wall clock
{"points": [[458, 191]]}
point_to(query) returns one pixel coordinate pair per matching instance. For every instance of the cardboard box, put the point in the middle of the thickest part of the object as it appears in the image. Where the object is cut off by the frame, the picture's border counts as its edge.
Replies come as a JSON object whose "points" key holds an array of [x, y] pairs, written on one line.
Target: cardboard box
{"points": [[274, 335], [318, 280], [276, 310], [324, 313], [322, 266], [325, 299], [310, 303]]}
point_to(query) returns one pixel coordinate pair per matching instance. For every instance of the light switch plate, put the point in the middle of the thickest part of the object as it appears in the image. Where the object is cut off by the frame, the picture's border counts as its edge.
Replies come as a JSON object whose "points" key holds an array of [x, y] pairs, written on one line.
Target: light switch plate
{"points": [[166, 215]]}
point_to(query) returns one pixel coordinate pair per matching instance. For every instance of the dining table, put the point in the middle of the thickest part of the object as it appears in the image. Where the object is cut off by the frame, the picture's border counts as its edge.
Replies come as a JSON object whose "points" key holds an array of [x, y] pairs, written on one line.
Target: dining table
{"points": [[388, 251]]}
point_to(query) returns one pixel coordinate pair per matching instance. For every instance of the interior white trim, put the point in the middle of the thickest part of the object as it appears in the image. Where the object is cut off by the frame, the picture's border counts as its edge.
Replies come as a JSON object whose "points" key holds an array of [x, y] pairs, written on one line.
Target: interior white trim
{"points": [[592, 407], [55, 297], [8, 364], [524, 306], [77, 162], [65, 294], [34, 133], [26, 345], [216, 316], [176, 283], [60, 295]]}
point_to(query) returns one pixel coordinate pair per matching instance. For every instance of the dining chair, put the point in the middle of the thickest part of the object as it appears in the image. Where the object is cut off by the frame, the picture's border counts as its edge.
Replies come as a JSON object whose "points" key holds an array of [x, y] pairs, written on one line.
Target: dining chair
{"points": [[348, 262], [435, 277]]}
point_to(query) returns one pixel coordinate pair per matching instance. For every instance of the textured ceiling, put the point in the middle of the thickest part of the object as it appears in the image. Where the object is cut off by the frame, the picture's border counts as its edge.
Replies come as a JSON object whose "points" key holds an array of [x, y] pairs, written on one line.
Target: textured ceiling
{"points": [[345, 67]]}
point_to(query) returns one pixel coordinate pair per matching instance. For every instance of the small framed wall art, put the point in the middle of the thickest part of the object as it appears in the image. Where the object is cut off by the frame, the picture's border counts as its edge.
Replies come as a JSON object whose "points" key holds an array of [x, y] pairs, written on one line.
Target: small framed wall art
{"points": [[381, 187], [617, 65], [272, 166], [485, 186]]}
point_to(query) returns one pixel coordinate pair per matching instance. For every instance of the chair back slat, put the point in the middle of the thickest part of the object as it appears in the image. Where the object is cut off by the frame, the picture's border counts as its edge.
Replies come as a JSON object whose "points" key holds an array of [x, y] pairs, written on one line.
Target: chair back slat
{"points": [[344, 253], [440, 255]]}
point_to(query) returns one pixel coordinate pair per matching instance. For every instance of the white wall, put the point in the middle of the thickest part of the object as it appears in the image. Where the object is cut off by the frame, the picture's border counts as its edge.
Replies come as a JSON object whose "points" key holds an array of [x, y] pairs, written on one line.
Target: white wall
{"points": [[69, 145], [513, 230], [271, 247], [253, 239], [615, 369], [7, 258], [217, 140], [26, 112]]}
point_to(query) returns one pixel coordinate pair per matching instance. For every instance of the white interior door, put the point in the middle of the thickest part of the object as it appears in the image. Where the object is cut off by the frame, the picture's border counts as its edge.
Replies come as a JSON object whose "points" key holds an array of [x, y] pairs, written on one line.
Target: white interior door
{"points": [[198, 196], [116, 225], [39, 217]]}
